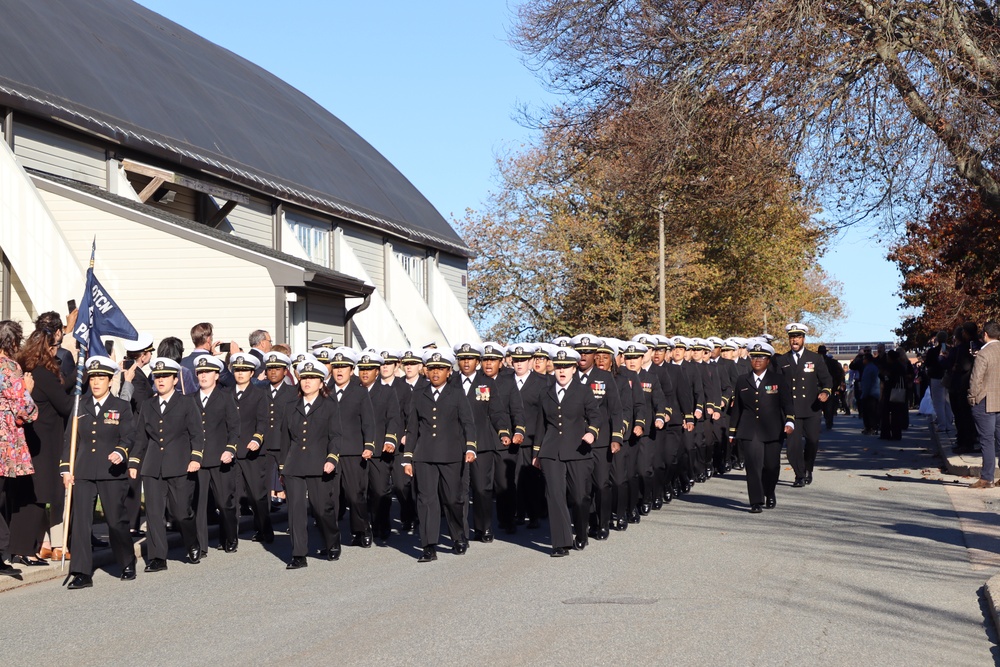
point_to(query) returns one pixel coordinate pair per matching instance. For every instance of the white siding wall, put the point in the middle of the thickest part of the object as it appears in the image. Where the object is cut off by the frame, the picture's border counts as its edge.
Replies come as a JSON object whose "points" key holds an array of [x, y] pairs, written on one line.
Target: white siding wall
{"points": [[21, 309], [54, 154], [324, 317], [185, 203], [455, 271], [165, 284], [369, 250], [252, 222]]}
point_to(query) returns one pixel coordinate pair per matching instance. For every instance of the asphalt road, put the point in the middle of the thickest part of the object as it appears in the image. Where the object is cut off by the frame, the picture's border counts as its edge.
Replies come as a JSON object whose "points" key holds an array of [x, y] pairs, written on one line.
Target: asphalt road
{"points": [[868, 566]]}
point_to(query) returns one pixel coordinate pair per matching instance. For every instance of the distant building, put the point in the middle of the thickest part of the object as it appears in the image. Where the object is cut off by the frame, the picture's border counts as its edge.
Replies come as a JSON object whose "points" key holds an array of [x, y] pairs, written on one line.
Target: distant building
{"points": [[217, 192]]}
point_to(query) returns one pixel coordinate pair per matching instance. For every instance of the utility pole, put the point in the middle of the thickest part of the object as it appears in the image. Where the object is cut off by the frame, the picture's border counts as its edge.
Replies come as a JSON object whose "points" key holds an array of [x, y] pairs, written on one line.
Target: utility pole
{"points": [[663, 295]]}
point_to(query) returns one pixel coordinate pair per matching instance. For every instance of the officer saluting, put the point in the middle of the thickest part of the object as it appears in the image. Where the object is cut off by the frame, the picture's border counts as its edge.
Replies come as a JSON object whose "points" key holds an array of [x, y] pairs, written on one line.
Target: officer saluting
{"points": [[762, 412], [168, 450], [440, 443], [811, 387], [106, 429]]}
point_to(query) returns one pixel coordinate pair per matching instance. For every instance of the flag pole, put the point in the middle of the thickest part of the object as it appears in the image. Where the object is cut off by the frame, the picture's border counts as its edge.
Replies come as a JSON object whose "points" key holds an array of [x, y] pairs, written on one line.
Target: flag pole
{"points": [[81, 361]]}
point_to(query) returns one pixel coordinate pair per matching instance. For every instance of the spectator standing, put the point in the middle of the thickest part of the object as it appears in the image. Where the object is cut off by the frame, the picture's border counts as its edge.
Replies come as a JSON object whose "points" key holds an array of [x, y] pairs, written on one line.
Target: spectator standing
{"points": [[984, 401], [893, 412], [959, 365], [869, 395], [934, 362]]}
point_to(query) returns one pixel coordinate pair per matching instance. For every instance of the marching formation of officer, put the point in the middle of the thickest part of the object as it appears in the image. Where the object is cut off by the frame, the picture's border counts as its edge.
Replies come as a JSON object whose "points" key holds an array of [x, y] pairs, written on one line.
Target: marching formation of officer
{"points": [[593, 433]]}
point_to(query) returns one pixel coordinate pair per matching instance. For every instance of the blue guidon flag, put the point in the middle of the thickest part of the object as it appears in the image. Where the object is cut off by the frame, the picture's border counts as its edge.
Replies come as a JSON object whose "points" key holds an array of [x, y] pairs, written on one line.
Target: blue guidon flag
{"points": [[99, 314]]}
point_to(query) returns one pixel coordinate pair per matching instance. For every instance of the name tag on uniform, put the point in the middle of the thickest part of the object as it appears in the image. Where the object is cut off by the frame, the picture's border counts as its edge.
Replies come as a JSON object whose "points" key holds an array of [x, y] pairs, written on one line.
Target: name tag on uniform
{"points": [[482, 393], [112, 417], [597, 387], [809, 367], [771, 388]]}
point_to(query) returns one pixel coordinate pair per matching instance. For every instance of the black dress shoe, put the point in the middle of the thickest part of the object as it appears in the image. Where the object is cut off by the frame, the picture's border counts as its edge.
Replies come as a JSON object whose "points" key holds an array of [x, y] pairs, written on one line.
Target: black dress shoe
{"points": [[701, 479], [593, 532], [579, 544], [559, 552], [128, 572], [231, 546], [297, 563], [769, 502], [487, 536], [460, 548], [667, 496], [430, 553], [645, 508], [739, 465], [407, 527], [756, 508], [329, 554], [29, 562], [98, 543], [156, 565], [603, 534], [798, 483], [194, 555], [265, 539], [80, 581], [809, 478], [138, 534], [657, 503], [8, 571], [220, 546], [633, 516]]}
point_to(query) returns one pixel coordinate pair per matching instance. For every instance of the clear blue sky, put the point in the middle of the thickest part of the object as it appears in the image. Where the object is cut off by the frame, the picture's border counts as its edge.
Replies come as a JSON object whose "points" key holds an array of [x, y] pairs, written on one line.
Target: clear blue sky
{"points": [[435, 87]]}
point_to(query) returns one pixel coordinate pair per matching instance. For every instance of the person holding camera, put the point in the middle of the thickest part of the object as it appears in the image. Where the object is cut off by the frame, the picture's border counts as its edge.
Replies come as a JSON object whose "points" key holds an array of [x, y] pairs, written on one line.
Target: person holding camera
{"points": [[204, 343]]}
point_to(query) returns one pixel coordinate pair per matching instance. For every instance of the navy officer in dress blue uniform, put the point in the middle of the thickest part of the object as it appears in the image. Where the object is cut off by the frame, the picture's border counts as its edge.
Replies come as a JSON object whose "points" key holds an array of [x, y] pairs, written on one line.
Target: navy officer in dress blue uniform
{"points": [[440, 443], [569, 422], [105, 435], [762, 414], [309, 436], [168, 451], [388, 419], [812, 386], [252, 407]]}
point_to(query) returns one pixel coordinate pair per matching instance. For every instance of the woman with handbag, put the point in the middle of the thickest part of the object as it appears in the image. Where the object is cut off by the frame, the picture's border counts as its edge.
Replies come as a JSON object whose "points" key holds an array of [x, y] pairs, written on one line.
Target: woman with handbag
{"points": [[894, 407]]}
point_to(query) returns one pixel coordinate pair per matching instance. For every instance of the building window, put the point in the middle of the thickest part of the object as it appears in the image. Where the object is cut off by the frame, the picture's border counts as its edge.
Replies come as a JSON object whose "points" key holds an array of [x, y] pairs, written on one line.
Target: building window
{"points": [[314, 237], [414, 267]]}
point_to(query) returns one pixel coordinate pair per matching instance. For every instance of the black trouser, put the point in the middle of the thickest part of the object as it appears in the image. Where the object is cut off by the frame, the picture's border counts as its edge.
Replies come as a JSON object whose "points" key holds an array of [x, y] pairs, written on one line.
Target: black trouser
{"points": [[830, 409], [222, 481], [113, 493], [4, 529], [567, 493], [380, 473], [530, 485], [965, 427], [353, 472], [253, 470], [706, 445], [272, 476], [672, 438], [402, 487], [688, 456], [133, 503], [601, 491], [647, 454], [637, 461], [721, 448], [321, 493], [482, 475], [177, 493], [763, 465], [439, 485], [505, 484], [621, 465], [868, 408], [803, 444]]}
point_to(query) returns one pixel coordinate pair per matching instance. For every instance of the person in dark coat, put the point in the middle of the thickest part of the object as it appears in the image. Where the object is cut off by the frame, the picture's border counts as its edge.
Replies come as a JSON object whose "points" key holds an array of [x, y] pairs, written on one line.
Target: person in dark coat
{"points": [[168, 452], [508, 468], [441, 442], [762, 415], [251, 460], [310, 435], [569, 423], [530, 385], [105, 435], [385, 406], [402, 485], [28, 496]]}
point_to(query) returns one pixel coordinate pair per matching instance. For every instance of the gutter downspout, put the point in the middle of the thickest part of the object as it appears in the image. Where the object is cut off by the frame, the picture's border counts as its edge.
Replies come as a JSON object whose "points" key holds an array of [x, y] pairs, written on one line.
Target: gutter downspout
{"points": [[348, 338]]}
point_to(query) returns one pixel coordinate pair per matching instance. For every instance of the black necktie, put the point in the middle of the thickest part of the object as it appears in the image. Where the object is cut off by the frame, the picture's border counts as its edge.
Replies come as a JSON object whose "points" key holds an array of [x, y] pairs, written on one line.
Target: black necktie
{"points": [[437, 392], [204, 401], [274, 394], [97, 409], [163, 406], [758, 381], [308, 405], [560, 392], [796, 358], [239, 395], [583, 379], [340, 394], [467, 383]]}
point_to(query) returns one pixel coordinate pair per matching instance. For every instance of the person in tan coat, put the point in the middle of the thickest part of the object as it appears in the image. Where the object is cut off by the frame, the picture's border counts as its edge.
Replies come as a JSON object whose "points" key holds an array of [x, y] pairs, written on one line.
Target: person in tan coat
{"points": [[984, 397]]}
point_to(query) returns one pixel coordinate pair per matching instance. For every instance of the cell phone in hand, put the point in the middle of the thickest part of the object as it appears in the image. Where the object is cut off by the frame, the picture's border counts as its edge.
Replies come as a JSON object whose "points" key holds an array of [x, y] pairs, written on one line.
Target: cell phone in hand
{"points": [[71, 305], [128, 363], [224, 347], [109, 345]]}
